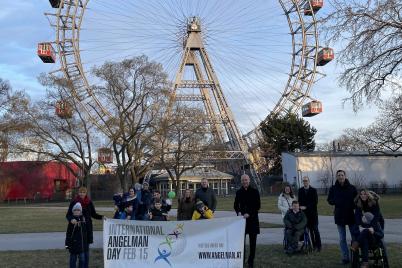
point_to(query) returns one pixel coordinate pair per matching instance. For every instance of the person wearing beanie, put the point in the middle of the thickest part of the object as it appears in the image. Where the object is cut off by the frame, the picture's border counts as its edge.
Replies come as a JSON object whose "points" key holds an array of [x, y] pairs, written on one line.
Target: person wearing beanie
{"points": [[88, 212], [371, 234], [202, 212], [77, 238]]}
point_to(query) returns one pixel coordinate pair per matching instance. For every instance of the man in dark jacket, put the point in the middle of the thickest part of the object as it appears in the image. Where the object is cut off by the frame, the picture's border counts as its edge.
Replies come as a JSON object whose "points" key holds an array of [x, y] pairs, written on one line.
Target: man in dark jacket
{"points": [[308, 200], [294, 221], [206, 195], [341, 195], [247, 203], [146, 202]]}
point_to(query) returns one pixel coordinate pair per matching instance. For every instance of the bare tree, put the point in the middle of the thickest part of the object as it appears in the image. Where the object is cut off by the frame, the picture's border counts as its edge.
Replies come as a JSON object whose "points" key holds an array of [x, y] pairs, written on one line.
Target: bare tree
{"points": [[182, 140], [370, 35], [385, 133], [66, 140], [135, 92]]}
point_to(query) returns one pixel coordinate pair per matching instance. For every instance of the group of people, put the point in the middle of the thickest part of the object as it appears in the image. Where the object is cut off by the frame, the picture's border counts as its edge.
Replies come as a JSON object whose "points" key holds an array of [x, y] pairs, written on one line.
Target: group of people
{"points": [[359, 211], [352, 209], [139, 203]]}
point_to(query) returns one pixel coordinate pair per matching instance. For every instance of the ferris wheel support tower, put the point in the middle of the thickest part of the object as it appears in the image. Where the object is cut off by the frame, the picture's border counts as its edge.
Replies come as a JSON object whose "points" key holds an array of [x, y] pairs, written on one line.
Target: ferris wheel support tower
{"points": [[219, 115]]}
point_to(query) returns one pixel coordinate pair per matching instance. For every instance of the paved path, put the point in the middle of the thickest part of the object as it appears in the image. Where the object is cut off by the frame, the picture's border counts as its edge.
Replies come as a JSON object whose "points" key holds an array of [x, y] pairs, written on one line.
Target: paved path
{"points": [[329, 234]]}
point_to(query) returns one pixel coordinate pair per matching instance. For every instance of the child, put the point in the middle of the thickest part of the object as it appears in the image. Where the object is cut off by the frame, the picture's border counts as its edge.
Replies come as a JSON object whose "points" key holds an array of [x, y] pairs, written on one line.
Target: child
{"points": [[77, 238], [126, 214], [202, 212], [118, 199], [157, 213]]}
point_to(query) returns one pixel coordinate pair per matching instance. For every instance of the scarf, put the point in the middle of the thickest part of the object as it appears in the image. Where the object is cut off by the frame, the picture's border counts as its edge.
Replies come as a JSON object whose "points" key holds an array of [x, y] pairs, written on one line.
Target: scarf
{"points": [[84, 202]]}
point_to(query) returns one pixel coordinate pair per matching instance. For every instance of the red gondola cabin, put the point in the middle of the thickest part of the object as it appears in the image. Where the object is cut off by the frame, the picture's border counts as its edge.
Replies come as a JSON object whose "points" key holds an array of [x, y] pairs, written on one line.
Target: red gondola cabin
{"points": [[324, 56], [105, 155], [63, 109], [55, 3], [46, 52], [312, 108], [315, 6]]}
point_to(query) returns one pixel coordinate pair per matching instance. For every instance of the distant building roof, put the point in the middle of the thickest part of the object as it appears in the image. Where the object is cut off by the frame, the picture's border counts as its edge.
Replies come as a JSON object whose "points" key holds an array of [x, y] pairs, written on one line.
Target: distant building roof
{"points": [[345, 153], [197, 173]]}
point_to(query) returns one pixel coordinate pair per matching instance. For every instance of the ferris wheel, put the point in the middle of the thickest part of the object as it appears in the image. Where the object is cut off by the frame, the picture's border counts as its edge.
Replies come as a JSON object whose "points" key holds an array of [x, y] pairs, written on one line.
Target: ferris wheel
{"points": [[265, 52]]}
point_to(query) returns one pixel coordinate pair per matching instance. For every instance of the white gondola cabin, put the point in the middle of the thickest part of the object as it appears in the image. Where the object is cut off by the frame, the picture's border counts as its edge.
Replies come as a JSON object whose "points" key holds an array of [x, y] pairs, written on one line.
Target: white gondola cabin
{"points": [[55, 3], [325, 55], [64, 110], [315, 6], [105, 155], [312, 108], [46, 52]]}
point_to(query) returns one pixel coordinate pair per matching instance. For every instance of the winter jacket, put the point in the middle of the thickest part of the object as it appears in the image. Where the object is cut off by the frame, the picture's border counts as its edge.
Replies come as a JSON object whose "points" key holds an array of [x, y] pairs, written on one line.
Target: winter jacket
{"points": [[207, 214], [342, 197], [248, 202], [146, 201], [77, 236], [372, 206], [309, 199], [158, 214], [296, 221], [285, 203], [207, 196], [165, 206], [89, 212], [185, 209]]}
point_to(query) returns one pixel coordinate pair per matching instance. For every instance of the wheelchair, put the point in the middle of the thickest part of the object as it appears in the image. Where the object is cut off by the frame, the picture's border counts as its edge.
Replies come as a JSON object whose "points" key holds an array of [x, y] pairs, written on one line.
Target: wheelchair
{"points": [[377, 256], [305, 244]]}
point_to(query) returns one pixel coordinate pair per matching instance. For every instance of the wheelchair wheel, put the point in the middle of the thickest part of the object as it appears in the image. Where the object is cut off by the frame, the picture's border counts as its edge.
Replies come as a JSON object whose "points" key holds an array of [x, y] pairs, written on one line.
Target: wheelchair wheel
{"points": [[355, 259], [380, 259], [307, 246]]}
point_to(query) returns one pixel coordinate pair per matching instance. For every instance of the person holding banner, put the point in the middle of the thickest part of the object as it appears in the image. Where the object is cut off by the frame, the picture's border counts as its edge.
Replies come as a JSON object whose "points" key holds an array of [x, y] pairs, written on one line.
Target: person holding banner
{"points": [[88, 211], [247, 203]]}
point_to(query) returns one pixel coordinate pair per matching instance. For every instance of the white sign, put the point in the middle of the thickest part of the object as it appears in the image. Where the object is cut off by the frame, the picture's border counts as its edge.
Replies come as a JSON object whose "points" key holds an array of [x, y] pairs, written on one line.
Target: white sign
{"points": [[211, 243]]}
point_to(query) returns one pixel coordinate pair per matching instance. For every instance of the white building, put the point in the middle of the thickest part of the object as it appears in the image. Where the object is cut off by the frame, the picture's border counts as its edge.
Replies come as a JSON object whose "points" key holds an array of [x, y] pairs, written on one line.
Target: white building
{"points": [[363, 169]]}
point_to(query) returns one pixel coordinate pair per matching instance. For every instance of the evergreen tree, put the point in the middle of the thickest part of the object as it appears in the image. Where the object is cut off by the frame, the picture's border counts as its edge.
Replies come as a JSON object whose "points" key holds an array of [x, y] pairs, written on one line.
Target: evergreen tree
{"points": [[285, 134]]}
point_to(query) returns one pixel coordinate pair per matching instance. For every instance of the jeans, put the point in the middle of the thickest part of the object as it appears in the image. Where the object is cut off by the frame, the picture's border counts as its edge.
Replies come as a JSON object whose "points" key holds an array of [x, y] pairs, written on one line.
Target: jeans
{"points": [[354, 233], [366, 240], [82, 260], [315, 236]]}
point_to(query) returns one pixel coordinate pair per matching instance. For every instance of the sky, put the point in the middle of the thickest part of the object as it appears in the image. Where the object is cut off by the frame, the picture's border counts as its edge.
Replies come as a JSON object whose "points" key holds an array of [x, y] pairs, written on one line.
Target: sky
{"points": [[245, 61]]}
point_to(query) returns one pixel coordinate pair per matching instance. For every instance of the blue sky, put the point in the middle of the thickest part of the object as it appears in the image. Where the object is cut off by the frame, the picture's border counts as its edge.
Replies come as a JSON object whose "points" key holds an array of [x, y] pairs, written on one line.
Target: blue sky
{"points": [[23, 25]]}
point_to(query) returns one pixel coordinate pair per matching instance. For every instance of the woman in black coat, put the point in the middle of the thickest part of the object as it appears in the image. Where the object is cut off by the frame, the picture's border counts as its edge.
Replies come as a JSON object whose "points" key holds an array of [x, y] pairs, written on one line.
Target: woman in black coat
{"points": [[248, 203], [88, 211], [186, 206]]}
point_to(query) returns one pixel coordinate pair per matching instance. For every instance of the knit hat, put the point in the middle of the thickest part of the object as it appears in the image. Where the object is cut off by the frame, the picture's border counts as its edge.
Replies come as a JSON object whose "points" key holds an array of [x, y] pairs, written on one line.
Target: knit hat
{"points": [[77, 206], [367, 217]]}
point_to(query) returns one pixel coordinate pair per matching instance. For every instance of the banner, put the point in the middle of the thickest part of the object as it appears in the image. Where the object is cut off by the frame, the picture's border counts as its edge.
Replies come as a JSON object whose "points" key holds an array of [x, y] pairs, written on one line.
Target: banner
{"points": [[211, 243]]}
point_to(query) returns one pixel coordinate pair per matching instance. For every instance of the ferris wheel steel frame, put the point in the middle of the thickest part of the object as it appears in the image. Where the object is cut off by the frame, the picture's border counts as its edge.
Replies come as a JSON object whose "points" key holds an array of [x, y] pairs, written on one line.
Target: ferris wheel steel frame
{"points": [[305, 47]]}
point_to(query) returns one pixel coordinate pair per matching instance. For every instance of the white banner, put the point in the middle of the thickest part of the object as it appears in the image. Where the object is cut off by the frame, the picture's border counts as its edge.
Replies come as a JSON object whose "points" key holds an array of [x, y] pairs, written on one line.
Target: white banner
{"points": [[203, 243]]}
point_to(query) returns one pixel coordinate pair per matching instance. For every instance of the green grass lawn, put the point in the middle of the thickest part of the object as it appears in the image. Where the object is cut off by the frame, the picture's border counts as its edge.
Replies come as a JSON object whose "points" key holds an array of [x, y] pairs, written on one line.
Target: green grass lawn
{"points": [[391, 205], [37, 220], [42, 219], [267, 256]]}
